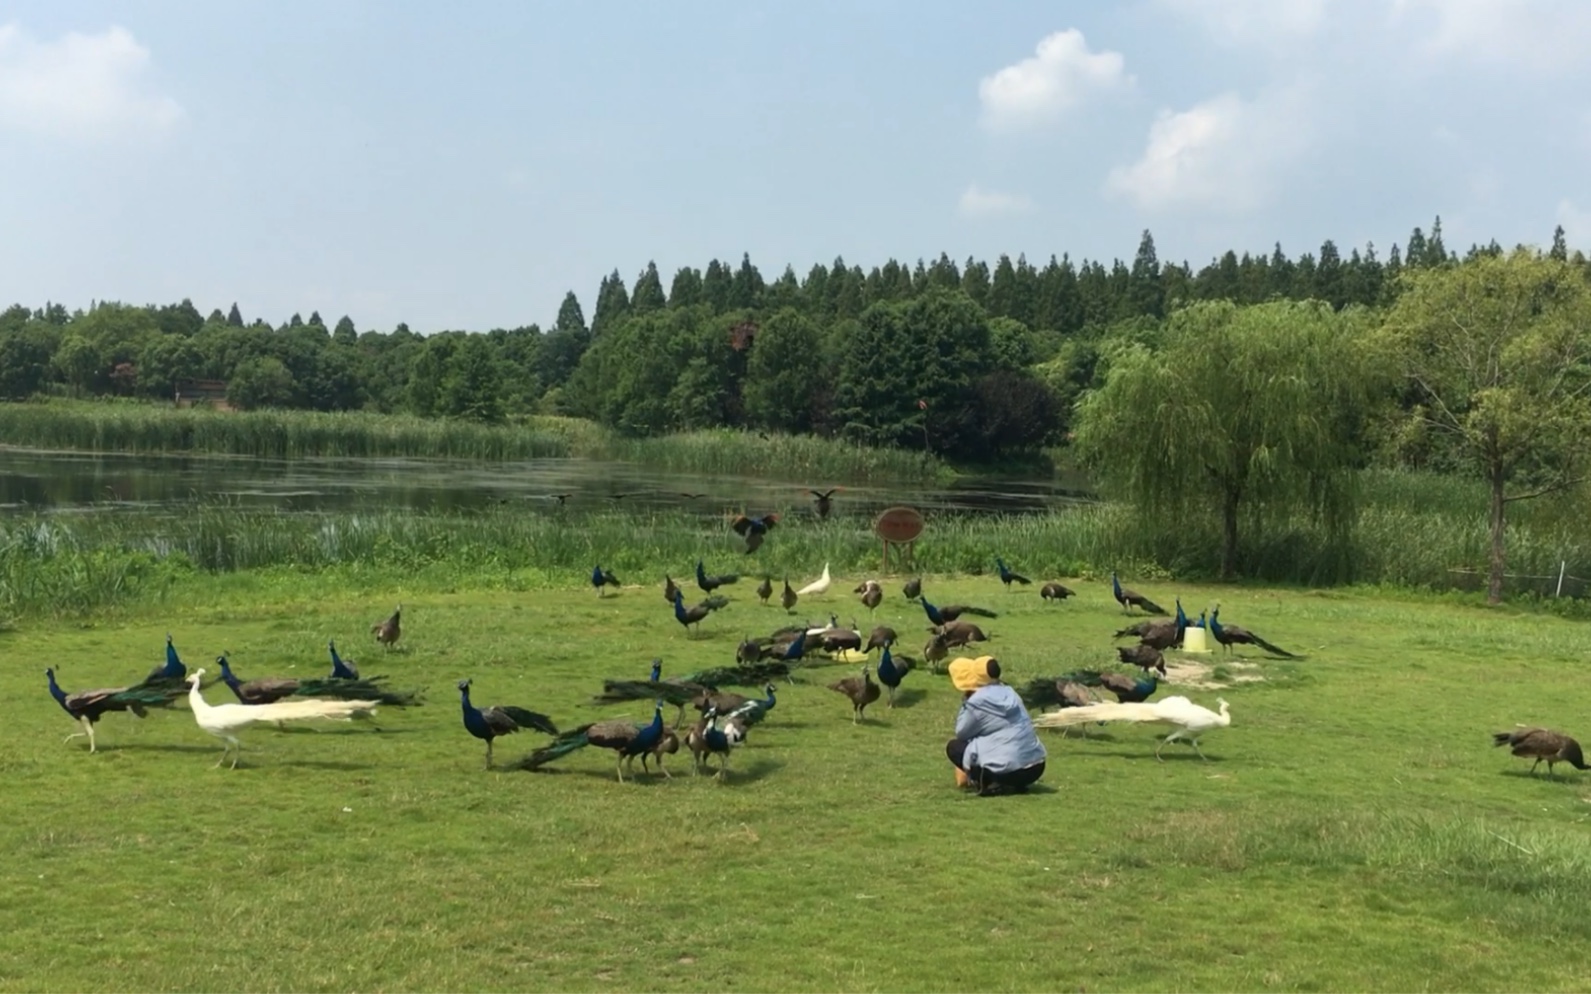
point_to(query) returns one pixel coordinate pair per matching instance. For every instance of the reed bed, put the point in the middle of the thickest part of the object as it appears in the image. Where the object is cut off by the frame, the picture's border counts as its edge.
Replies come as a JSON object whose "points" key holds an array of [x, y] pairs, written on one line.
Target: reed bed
{"points": [[61, 564], [150, 428]]}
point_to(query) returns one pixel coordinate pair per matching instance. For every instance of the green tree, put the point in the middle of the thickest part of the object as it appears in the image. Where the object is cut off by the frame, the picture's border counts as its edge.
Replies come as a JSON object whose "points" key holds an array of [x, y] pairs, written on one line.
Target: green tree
{"points": [[261, 382], [79, 365], [234, 317], [613, 301], [164, 362], [686, 289], [780, 380], [563, 346], [1241, 408], [25, 355], [746, 288], [648, 292], [472, 386], [1498, 354], [1145, 295], [345, 333]]}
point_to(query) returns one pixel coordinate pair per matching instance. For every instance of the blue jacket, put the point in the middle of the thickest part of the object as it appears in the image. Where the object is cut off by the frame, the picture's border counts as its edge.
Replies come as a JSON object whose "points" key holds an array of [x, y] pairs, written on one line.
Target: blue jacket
{"points": [[999, 735]]}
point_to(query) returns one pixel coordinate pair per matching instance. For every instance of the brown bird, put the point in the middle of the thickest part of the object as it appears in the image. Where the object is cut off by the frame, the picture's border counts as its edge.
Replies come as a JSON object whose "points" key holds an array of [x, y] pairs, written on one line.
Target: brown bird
{"points": [[1541, 743], [1055, 592], [937, 649], [959, 633], [1128, 597], [670, 588], [872, 593], [765, 589], [1146, 656], [824, 499], [387, 632], [860, 689], [788, 598], [1128, 690], [881, 636], [1074, 695], [913, 588], [836, 640]]}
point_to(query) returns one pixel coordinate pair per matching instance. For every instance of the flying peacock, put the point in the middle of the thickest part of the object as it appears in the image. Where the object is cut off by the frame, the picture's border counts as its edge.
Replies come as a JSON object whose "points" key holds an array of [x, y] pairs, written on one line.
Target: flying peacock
{"points": [[625, 738]]}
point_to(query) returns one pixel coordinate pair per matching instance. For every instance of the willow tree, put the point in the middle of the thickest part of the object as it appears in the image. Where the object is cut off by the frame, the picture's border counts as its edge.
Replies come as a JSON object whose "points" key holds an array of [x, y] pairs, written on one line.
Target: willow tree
{"points": [[1497, 353], [1238, 410]]}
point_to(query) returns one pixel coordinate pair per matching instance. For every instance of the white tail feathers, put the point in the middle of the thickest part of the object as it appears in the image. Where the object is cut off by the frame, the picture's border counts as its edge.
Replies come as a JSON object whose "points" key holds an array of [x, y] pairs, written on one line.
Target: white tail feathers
{"points": [[1177, 711], [224, 718], [818, 586]]}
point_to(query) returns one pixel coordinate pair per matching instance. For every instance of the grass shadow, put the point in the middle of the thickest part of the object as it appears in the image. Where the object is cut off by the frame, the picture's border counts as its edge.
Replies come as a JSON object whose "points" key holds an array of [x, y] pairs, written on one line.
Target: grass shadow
{"points": [[159, 747], [906, 698]]}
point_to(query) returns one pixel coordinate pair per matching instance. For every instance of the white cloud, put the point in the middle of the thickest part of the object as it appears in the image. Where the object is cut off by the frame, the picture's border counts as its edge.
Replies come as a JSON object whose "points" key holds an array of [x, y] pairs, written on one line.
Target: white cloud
{"points": [[1244, 22], [84, 87], [1219, 155], [1540, 36], [977, 202], [1056, 78]]}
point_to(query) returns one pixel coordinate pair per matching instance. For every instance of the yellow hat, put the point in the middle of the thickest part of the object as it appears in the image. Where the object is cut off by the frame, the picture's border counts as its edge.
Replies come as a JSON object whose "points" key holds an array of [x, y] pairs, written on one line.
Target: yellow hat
{"points": [[970, 674]]}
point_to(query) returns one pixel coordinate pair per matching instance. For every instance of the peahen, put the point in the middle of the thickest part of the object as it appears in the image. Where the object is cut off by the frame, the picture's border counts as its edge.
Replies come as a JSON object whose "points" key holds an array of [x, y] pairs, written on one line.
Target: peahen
{"points": [[695, 615], [86, 706], [712, 583], [490, 723], [753, 530], [388, 632], [670, 588], [603, 579], [1056, 592], [912, 589], [890, 674], [959, 633], [1230, 635], [1542, 743], [765, 589], [787, 600], [269, 690], [1007, 577], [860, 689], [823, 500], [625, 738], [950, 612], [1143, 655], [1127, 597], [880, 637], [872, 594]]}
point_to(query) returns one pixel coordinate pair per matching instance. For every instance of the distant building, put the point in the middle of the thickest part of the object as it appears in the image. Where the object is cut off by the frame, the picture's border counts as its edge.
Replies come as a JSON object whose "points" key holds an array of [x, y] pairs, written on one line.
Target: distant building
{"points": [[203, 393]]}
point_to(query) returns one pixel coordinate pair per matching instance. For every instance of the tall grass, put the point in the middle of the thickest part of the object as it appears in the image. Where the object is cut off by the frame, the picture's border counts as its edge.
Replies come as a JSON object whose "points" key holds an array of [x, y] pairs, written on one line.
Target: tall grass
{"points": [[66, 564], [147, 428]]}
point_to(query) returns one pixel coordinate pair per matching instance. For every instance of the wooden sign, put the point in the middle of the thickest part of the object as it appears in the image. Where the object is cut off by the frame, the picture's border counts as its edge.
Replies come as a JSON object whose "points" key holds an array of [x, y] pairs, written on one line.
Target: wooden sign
{"points": [[899, 524]]}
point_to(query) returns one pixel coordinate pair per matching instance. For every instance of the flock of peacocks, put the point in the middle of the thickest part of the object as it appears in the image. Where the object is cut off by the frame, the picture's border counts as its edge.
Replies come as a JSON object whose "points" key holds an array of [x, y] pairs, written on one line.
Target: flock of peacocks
{"points": [[724, 718]]}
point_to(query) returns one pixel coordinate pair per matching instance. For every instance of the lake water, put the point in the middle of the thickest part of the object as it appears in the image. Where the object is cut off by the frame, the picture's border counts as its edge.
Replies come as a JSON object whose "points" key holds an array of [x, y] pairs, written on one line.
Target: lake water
{"points": [[34, 480]]}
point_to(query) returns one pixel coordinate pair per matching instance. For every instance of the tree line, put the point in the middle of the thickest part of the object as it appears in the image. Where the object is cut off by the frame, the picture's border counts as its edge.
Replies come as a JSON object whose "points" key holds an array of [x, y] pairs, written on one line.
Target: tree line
{"points": [[968, 360]]}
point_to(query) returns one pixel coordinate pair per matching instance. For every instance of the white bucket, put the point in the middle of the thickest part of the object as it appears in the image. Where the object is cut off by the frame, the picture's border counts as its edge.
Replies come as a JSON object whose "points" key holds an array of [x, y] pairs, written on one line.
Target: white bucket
{"points": [[1194, 640]]}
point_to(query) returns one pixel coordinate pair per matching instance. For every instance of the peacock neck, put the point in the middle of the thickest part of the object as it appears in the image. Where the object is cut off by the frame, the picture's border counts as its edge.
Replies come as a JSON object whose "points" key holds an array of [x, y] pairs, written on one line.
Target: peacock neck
{"points": [[55, 689]]}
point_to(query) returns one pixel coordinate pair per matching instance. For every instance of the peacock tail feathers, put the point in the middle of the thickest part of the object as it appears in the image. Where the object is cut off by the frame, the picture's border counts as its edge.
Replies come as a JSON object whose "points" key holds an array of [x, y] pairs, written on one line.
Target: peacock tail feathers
{"points": [[563, 745], [526, 718], [676, 692], [749, 675]]}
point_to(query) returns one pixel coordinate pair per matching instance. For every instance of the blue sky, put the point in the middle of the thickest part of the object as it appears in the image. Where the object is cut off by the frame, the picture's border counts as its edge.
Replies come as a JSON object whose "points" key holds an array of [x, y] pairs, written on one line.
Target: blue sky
{"points": [[462, 166]]}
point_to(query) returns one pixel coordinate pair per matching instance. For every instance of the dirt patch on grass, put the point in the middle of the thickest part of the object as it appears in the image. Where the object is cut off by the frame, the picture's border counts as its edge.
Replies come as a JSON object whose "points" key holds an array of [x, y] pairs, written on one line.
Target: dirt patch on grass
{"points": [[1214, 675]]}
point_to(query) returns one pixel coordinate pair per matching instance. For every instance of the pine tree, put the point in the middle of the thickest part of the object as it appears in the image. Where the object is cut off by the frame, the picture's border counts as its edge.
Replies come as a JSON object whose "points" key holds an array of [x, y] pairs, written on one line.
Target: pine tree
{"points": [[975, 281], [746, 289], [1329, 277], [1144, 292], [717, 285], [648, 293], [1435, 251], [234, 317], [686, 289], [1414, 254], [1560, 247], [613, 302], [570, 316], [345, 333], [1001, 302]]}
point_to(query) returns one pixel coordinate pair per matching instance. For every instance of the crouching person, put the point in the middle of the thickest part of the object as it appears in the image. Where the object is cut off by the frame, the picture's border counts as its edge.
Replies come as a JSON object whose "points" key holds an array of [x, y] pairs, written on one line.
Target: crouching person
{"points": [[995, 749]]}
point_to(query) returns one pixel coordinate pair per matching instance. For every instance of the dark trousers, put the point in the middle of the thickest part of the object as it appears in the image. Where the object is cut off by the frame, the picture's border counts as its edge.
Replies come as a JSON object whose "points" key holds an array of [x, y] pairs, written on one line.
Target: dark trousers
{"points": [[989, 782]]}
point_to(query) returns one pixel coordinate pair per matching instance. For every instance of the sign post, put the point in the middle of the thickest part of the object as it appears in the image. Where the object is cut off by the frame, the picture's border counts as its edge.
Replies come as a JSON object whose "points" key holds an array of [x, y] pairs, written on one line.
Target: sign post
{"points": [[899, 527]]}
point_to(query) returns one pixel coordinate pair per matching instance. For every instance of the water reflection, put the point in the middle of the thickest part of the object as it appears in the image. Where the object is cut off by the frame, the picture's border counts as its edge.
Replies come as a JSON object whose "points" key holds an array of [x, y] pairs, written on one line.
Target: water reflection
{"points": [[34, 480]]}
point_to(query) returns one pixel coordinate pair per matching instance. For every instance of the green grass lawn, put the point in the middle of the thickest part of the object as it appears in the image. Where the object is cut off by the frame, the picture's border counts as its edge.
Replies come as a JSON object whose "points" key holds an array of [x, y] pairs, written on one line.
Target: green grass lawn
{"points": [[1354, 828]]}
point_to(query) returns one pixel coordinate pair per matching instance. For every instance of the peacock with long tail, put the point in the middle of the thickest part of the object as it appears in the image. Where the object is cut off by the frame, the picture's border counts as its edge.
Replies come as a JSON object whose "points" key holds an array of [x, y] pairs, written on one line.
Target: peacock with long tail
{"points": [[269, 690], [603, 579], [1128, 689], [1540, 744], [695, 615], [494, 722], [712, 583], [1230, 635], [342, 669], [950, 612], [890, 674], [224, 721], [1129, 598], [1007, 577], [86, 706], [625, 738], [680, 692], [1190, 720], [170, 675]]}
